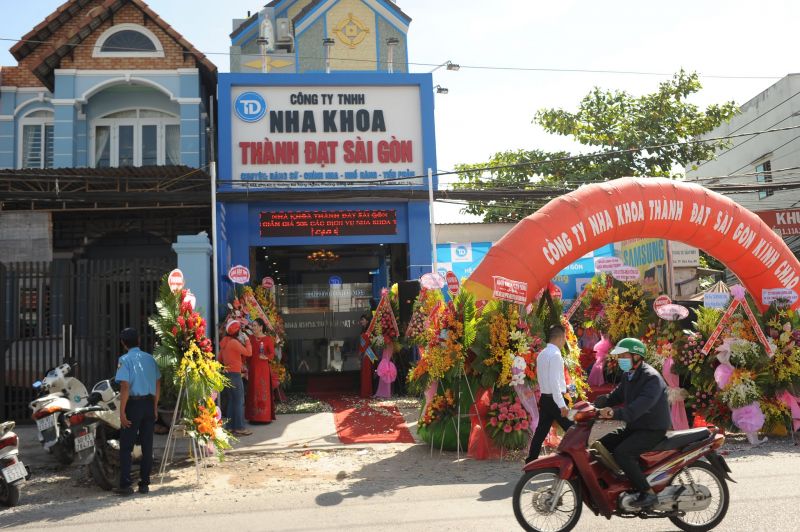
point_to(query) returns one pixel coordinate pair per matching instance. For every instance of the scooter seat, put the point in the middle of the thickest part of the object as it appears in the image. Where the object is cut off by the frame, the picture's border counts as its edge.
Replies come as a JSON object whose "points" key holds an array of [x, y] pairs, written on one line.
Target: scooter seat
{"points": [[681, 438]]}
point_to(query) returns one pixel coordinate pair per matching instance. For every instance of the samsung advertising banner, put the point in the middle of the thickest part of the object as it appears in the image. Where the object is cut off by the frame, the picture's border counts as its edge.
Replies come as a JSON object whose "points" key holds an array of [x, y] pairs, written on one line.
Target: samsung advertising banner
{"points": [[312, 136]]}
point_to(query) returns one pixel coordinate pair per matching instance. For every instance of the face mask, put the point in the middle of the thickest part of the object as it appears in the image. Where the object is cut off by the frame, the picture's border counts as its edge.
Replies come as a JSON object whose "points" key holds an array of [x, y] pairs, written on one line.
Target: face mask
{"points": [[625, 364]]}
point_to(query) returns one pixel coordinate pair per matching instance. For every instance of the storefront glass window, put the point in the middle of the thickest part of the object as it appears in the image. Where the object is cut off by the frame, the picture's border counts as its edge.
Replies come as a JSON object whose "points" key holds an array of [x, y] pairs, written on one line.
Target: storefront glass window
{"points": [[322, 328]]}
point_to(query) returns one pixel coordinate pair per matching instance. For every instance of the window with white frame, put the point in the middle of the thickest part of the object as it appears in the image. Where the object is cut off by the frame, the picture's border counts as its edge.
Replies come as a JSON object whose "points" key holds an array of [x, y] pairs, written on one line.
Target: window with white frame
{"points": [[136, 137], [128, 40], [36, 140]]}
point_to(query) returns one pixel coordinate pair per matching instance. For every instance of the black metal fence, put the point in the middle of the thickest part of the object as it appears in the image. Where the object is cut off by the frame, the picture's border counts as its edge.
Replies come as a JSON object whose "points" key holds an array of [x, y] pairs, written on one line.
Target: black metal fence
{"points": [[70, 309]]}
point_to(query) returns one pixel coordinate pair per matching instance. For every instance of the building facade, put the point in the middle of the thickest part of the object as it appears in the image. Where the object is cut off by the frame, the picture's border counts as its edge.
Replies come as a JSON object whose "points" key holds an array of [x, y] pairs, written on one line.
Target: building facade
{"points": [[100, 86], [287, 36], [104, 141], [770, 159], [325, 144]]}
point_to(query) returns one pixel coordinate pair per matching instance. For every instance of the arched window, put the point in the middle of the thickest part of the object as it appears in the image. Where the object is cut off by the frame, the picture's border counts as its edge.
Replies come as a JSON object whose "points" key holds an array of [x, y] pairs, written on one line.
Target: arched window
{"points": [[136, 137], [36, 140], [128, 40]]}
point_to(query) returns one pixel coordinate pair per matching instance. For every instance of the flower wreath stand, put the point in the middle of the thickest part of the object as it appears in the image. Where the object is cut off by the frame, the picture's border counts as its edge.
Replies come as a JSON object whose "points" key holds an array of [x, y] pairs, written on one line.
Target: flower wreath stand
{"points": [[185, 356], [179, 429], [448, 406]]}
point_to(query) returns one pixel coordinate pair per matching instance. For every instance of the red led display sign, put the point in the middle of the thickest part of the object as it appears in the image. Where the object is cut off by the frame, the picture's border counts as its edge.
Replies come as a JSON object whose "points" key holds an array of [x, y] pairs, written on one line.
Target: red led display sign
{"points": [[328, 223]]}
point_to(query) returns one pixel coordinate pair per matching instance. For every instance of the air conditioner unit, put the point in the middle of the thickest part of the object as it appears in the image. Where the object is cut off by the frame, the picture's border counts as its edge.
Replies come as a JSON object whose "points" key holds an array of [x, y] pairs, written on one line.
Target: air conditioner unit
{"points": [[284, 30]]}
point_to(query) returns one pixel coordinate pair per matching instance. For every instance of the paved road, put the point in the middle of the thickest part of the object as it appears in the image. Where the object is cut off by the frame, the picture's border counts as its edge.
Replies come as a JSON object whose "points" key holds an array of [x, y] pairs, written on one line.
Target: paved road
{"points": [[405, 490]]}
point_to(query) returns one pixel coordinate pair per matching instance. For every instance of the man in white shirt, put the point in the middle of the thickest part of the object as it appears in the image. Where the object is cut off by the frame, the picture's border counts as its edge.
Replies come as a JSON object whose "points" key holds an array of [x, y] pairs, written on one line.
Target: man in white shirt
{"points": [[550, 374]]}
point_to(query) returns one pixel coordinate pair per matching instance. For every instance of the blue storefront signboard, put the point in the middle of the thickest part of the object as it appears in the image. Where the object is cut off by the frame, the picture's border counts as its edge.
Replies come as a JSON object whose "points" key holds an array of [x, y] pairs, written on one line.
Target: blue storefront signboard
{"points": [[462, 259]]}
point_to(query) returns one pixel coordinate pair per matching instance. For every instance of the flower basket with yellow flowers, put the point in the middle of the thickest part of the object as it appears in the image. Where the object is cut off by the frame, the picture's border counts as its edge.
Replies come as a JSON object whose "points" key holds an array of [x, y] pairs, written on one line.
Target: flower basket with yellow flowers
{"points": [[503, 340], [190, 373]]}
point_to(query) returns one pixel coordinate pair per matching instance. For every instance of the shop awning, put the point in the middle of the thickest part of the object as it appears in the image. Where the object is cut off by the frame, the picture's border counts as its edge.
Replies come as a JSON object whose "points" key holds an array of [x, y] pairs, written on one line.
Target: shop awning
{"points": [[96, 188]]}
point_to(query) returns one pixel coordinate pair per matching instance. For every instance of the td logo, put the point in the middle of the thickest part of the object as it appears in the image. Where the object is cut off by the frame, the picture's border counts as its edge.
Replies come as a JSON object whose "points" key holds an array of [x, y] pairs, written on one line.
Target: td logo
{"points": [[250, 107], [461, 251]]}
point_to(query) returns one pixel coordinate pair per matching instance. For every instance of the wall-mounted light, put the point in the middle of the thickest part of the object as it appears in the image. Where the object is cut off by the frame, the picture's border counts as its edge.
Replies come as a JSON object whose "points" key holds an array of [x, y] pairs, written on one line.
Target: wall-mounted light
{"points": [[391, 43], [449, 64], [328, 44], [441, 90]]}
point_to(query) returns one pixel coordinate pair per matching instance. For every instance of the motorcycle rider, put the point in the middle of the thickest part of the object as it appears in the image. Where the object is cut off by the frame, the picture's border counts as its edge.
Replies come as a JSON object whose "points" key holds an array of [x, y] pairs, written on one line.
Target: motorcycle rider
{"points": [[140, 385], [646, 415]]}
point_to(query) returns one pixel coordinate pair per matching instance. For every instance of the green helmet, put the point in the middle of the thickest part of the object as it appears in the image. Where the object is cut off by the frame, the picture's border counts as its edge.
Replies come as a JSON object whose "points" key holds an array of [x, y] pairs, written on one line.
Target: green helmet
{"points": [[629, 345]]}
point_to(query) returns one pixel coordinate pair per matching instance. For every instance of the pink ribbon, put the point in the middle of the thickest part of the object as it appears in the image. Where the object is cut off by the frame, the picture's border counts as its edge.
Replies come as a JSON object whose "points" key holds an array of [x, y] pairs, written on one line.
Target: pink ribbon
{"points": [[387, 373], [793, 403], [677, 408], [430, 393], [723, 374], [601, 349], [528, 399], [749, 418]]}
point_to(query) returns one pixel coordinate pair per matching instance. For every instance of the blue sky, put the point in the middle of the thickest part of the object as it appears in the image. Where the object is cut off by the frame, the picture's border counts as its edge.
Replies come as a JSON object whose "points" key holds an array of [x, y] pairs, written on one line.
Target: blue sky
{"points": [[486, 111]]}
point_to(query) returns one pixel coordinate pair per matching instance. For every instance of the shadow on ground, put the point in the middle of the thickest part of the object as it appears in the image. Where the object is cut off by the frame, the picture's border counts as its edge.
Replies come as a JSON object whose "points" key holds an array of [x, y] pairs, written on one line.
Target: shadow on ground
{"points": [[415, 467], [56, 492]]}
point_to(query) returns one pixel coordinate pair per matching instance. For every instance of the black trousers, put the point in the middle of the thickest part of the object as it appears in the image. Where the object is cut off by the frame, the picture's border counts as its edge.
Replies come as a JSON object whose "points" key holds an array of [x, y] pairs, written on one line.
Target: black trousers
{"points": [[548, 412], [627, 446], [141, 414]]}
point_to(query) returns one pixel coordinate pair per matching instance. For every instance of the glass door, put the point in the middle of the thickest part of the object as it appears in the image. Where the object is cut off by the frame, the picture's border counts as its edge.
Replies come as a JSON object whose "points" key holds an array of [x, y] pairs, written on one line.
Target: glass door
{"points": [[322, 328]]}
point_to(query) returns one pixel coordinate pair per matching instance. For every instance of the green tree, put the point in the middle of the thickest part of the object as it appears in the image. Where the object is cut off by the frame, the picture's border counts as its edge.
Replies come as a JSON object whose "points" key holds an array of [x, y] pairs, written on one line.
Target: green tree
{"points": [[613, 123]]}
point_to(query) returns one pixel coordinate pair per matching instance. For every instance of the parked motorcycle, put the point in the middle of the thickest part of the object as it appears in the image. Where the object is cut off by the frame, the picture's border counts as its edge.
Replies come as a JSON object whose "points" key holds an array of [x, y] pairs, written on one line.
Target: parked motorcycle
{"points": [[96, 430], [58, 393], [684, 470], [14, 472]]}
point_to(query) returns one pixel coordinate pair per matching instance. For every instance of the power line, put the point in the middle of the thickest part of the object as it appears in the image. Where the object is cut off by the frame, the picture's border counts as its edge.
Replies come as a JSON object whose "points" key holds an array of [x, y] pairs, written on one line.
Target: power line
{"points": [[760, 115], [423, 64], [590, 155], [773, 149], [471, 170], [625, 151], [603, 71]]}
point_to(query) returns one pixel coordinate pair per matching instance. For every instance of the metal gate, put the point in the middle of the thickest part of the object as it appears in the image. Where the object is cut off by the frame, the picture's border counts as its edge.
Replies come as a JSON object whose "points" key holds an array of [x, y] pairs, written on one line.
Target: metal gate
{"points": [[70, 310]]}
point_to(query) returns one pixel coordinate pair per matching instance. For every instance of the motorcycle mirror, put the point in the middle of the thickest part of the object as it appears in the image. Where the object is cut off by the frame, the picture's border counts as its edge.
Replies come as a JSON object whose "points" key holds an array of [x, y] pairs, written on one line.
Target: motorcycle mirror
{"points": [[95, 398], [36, 385]]}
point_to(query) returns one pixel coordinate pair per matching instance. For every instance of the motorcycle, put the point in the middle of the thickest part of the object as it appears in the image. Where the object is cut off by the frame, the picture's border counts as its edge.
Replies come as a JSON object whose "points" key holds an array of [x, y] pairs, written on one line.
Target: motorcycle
{"points": [[96, 430], [58, 393], [684, 470], [14, 472]]}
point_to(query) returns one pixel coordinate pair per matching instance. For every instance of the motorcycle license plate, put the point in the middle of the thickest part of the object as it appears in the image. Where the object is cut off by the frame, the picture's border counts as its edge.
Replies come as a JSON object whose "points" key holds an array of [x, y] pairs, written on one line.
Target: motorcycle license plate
{"points": [[14, 472], [84, 442], [46, 423]]}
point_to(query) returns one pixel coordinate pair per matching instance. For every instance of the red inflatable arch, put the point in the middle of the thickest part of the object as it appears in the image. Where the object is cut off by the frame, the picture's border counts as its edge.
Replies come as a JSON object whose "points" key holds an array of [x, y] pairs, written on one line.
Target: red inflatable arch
{"points": [[570, 226]]}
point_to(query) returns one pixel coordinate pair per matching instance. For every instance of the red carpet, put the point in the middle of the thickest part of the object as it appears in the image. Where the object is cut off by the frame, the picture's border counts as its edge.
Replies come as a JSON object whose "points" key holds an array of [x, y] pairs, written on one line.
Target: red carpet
{"points": [[367, 420]]}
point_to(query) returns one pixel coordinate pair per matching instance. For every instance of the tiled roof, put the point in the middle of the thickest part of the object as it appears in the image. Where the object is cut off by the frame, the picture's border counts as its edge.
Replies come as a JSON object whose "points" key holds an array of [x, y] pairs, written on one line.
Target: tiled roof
{"points": [[68, 10], [391, 5], [243, 25]]}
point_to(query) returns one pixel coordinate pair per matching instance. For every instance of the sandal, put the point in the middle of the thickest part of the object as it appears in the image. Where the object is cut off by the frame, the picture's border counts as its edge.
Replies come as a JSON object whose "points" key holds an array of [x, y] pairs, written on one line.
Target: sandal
{"points": [[242, 433]]}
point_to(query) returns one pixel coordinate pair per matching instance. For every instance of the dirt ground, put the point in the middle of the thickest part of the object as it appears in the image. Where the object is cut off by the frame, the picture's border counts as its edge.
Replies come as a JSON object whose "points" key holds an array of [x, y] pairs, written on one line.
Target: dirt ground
{"points": [[349, 470], [303, 481]]}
